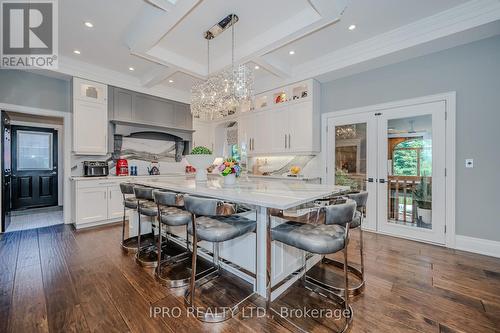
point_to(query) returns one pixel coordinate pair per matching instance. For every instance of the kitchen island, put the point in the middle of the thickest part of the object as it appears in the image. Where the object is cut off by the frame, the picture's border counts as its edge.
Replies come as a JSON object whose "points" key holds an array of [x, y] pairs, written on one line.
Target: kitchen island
{"points": [[262, 195]]}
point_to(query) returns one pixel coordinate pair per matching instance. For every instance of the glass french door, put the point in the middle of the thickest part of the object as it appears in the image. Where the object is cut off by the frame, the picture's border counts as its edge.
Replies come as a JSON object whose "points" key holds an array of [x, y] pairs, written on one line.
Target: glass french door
{"points": [[398, 156], [411, 171], [353, 158]]}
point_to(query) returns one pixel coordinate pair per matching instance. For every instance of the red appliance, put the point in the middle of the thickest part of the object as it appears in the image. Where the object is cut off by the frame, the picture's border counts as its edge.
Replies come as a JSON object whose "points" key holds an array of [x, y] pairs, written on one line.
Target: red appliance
{"points": [[121, 167]]}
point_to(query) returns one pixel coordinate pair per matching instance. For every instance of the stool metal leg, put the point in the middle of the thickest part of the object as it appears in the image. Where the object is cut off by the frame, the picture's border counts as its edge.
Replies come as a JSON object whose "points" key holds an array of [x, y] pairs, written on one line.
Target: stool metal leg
{"points": [[193, 263], [158, 265], [268, 263]]}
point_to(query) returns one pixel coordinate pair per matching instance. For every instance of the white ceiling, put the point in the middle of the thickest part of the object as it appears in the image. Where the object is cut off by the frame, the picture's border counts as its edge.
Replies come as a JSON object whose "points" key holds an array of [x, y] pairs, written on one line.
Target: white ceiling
{"points": [[163, 39]]}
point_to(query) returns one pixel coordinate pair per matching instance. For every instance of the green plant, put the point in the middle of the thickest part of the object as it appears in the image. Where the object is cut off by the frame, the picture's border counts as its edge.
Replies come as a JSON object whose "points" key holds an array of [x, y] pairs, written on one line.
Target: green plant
{"points": [[423, 193], [200, 150], [342, 178]]}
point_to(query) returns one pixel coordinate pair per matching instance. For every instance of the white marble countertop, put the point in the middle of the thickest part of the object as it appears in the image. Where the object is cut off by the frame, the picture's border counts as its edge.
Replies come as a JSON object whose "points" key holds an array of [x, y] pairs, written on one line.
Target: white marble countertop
{"points": [[259, 192], [113, 177], [303, 178]]}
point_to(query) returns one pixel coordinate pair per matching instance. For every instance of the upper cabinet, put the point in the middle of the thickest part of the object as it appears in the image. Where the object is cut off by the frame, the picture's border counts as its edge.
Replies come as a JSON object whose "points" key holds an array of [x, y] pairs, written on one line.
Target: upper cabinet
{"points": [[90, 117], [130, 106], [282, 121]]}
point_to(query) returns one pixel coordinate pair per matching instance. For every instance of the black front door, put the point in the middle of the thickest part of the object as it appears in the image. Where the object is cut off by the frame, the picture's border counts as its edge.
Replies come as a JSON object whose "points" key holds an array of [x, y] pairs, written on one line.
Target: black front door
{"points": [[6, 170], [34, 167]]}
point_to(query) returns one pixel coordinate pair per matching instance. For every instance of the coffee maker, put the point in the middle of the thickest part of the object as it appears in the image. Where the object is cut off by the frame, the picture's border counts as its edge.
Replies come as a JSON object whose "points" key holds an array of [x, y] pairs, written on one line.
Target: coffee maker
{"points": [[121, 167]]}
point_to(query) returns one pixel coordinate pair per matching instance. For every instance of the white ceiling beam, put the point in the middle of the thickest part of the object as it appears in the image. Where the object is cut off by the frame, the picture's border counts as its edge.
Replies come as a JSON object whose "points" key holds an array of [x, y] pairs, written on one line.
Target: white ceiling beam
{"points": [[166, 5], [278, 69], [152, 23], [155, 77]]}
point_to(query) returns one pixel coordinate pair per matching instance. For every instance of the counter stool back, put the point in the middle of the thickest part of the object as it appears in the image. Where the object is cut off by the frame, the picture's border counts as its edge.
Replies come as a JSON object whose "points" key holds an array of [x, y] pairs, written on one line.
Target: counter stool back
{"points": [[206, 225]]}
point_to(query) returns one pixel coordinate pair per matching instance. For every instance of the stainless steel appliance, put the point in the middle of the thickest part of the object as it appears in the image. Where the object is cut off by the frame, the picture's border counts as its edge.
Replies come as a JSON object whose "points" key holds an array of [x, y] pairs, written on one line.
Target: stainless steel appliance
{"points": [[95, 169]]}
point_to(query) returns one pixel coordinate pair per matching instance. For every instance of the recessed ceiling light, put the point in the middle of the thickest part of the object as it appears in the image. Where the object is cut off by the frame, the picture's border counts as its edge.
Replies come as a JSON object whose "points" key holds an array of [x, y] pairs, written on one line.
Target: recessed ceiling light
{"points": [[131, 69], [76, 52], [171, 81], [256, 67], [352, 27], [292, 52], [89, 24]]}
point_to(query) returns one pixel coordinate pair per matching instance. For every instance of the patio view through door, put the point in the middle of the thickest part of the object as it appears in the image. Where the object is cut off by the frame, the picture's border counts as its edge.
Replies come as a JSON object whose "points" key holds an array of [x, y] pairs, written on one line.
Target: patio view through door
{"points": [[398, 156]]}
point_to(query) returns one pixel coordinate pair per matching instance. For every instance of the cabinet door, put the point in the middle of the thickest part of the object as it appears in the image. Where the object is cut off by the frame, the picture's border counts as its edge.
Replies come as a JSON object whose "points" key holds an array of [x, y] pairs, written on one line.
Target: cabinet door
{"points": [[300, 129], [115, 202], [91, 204], [90, 128], [89, 91], [244, 131], [203, 135], [261, 132], [122, 104], [278, 140]]}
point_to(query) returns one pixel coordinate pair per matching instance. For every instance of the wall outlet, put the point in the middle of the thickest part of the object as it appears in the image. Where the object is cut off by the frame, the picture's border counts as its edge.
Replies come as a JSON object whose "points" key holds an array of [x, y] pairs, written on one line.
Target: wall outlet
{"points": [[469, 163]]}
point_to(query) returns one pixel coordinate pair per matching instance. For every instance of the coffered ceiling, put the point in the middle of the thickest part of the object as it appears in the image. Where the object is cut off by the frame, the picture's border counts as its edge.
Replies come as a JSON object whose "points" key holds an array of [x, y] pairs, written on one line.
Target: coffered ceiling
{"points": [[157, 46]]}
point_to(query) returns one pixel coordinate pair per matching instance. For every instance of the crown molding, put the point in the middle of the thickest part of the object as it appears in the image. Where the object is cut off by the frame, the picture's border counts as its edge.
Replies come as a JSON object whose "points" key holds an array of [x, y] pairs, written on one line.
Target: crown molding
{"points": [[100, 74], [458, 19]]}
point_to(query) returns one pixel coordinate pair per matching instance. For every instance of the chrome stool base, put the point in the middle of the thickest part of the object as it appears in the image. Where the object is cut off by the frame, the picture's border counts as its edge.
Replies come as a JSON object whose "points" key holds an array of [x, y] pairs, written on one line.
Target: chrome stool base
{"points": [[129, 245], [215, 316], [147, 257], [318, 289], [353, 291]]}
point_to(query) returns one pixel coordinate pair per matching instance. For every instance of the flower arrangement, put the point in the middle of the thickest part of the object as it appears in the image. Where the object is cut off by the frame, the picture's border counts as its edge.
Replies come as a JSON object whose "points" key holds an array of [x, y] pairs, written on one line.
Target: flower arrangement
{"points": [[230, 166]]}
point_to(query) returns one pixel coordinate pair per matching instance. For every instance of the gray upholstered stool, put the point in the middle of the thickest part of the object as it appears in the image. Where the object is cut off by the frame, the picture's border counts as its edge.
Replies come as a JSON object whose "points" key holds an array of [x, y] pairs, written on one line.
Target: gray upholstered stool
{"points": [[360, 199], [171, 214], [206, 225], [146, 255], [129, 245], [323, 239]]}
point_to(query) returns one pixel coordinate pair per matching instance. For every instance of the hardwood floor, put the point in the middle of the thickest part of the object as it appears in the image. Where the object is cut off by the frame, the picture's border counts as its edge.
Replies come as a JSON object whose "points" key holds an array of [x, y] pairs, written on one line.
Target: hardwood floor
{"points": [[55, 279]]}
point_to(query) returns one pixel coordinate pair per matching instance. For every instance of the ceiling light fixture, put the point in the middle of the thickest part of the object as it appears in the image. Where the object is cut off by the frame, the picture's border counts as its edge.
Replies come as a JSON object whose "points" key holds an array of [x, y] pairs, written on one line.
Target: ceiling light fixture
{"points": [[76, 52], [221, 94], [257, 67], [352, 27], [89, 24], [292, 52], [131, 69], [171, 81]]}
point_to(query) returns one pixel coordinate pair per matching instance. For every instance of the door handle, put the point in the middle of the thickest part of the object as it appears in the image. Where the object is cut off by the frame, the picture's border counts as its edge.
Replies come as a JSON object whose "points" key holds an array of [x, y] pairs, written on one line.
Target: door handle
{"points": [[369, 180], [285, 142], [289, 141], [381, 181]]}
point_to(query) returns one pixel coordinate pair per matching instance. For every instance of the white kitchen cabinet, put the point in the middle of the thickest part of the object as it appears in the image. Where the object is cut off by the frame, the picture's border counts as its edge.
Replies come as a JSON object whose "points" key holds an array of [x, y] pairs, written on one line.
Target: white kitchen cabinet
{"points": [[91, 205], [303, 128], [97, 202], [115, 202], [255, 131], [90, 118], [204, 134]]}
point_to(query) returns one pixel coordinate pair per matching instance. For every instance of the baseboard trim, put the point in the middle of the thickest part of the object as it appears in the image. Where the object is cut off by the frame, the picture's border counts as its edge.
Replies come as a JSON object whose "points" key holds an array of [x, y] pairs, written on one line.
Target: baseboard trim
{"points": [[478, 245]]}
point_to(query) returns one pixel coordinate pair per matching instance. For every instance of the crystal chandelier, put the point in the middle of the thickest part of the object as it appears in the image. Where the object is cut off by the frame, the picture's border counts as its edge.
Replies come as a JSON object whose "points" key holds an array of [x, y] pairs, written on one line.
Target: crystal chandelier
{"points": [[222, 93], [346, 132]]}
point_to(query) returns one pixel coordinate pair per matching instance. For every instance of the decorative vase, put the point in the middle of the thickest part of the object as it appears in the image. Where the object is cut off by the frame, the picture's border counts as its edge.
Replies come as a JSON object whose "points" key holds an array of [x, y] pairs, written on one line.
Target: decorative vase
{"points": [[425, 215], [201, 163], [230, 179]]}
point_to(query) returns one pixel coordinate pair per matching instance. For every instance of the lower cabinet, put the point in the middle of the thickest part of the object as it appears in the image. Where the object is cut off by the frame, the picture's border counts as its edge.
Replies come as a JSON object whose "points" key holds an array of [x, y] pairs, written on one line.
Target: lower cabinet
{"points": [[96, 203]]}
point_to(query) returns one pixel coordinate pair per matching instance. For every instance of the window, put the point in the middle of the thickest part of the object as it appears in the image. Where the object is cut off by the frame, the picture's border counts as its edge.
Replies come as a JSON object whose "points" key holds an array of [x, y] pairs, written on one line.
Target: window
{"points": [[412, 157], [34, 150]]}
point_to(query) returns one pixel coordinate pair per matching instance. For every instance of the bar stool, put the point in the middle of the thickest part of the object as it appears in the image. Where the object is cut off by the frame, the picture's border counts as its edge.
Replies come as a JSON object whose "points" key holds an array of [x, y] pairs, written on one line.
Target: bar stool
{"points": [[171, 214], [360, 199], [146, 255], [207, 226], [323, 239]]}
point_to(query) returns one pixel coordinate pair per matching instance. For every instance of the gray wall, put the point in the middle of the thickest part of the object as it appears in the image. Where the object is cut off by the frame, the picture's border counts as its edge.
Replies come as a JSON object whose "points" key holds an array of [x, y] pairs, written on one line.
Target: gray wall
{"points": [[33, 90], [473, 71]]}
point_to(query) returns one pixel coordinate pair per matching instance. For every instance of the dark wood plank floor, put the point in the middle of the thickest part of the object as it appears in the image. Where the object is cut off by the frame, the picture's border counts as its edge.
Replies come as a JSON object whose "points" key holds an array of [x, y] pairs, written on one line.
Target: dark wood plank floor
{"points": [[58, 280]]}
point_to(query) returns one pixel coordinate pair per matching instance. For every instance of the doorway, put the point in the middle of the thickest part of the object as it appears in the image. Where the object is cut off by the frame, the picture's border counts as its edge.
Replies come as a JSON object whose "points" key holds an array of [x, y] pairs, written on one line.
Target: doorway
{"points": [[397, 154], [34, 167]]}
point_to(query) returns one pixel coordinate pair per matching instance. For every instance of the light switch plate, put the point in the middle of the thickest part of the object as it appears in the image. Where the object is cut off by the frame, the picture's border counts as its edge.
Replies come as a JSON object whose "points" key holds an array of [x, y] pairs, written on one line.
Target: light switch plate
{"points": [[469, 163]]}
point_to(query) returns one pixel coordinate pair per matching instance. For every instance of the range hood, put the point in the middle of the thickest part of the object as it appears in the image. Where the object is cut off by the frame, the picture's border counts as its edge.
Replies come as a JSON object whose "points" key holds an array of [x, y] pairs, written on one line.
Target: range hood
{"points": [[134, 129]]}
